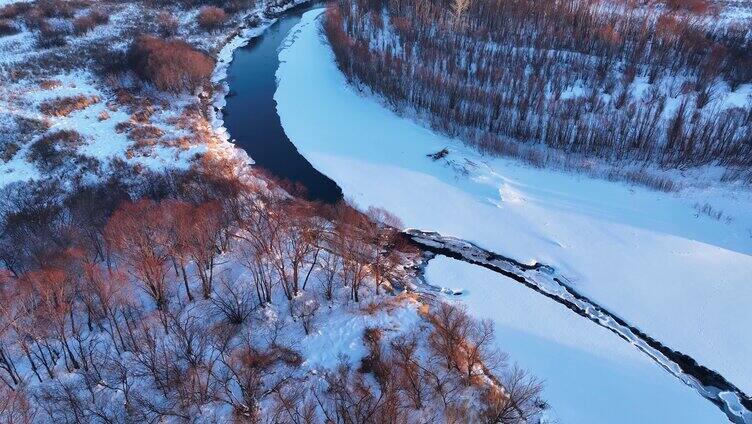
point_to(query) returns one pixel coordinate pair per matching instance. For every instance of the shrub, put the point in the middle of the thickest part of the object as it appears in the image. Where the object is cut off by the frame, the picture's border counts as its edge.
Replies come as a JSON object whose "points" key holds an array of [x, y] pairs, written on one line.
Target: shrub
{"points": [[51, 36], [100, 16], [109, 63], [145, 132], [234, 6], [8, 150], [693, 6], [83, 24], [64, 106], [211, 18], [12, 11], [168, 25], [50, 151], [27, 125], [57, 8], [86, 23], [34, 19], [7, 28], [35, 14], [170, 65]]}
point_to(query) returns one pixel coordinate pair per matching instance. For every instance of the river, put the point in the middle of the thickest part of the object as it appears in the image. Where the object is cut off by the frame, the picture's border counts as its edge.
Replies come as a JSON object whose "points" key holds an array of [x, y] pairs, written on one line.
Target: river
{"points": [[251, 115]]}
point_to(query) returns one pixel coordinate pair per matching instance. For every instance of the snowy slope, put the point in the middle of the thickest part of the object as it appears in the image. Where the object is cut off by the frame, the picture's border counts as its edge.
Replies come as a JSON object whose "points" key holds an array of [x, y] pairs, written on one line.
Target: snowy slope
{"points": [[654, 258]]}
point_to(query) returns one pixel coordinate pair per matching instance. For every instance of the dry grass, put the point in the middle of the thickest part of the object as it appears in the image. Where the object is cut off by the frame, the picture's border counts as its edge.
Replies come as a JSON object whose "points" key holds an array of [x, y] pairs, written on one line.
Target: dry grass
{"points": [[716, 214], [144, 113], [64, 106], [379, 304], [124, 126], [145, 132], [180, 143], [645, 179], [190, 119], [50, 84]]}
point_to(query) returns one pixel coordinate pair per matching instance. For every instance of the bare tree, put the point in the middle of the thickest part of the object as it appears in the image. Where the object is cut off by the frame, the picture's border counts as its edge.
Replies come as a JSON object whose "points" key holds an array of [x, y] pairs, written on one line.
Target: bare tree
{"points": [[55, 291], [253, 374], [206, 231], [410, 377], [500, 108], [138, 232], [105, 295], [180, 223], [459, 7], [258, 239], [331, 268], [478, 352], [451, 326], [233, 300], [304, 308], [351, 243], [297, 246], [384, 234], [15, 407], [517, 402], [348, 398]]}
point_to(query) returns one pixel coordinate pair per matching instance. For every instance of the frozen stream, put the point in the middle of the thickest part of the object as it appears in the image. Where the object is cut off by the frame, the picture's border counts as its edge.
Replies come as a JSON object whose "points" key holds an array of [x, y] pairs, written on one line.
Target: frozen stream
{"points": [[545, 280]]}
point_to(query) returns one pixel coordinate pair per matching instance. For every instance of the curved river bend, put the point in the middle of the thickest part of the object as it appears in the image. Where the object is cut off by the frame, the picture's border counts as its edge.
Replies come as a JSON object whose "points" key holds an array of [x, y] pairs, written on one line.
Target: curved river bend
{"points": [[250, 114], [251, 118]]}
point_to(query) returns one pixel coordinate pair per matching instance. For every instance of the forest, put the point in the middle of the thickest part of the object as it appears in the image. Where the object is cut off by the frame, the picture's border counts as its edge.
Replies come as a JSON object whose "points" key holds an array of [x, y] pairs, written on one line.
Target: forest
{"points": [[182, 295], [621, 81]]}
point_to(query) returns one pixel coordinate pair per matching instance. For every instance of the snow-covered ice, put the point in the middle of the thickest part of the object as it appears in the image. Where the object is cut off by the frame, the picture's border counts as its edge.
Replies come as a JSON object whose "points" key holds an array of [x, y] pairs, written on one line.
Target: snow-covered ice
{"points": [[654, 258], [590, 375]]}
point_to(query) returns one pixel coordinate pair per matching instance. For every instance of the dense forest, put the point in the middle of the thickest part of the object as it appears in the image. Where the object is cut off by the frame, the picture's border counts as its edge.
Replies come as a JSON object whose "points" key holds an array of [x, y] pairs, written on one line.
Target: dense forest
{"points": [[641, 82]]}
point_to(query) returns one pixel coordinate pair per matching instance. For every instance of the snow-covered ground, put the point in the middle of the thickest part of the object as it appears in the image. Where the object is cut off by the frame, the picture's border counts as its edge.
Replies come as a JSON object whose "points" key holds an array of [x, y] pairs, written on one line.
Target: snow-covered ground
{"points": [[97, 125], [656, 259], [182, 134]]}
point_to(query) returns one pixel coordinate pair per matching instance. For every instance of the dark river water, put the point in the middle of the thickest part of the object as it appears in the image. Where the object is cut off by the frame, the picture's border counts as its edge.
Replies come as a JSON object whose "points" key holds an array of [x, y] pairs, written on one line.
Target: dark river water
{"points": [[251, 112]]}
